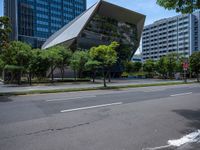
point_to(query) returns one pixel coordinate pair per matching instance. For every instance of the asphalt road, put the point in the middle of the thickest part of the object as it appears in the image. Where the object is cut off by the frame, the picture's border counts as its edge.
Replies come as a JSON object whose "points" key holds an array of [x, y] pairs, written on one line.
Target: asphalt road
{"points": [[128, 119]]}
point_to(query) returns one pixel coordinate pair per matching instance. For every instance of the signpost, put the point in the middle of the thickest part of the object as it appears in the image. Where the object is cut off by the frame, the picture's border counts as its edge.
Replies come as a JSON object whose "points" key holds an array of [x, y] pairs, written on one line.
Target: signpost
{"points": [[185, 68]]}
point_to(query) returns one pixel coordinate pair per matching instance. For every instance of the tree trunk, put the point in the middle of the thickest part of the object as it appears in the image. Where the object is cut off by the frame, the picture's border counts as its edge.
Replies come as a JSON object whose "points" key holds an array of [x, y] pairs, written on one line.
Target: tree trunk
{"points": [[19, 79], [52, 77], [80, 73], [109, 76], [11, 78], [104, 78], [62, 72], [94, 76], [30, 78], [74, 74], [198, 77]]}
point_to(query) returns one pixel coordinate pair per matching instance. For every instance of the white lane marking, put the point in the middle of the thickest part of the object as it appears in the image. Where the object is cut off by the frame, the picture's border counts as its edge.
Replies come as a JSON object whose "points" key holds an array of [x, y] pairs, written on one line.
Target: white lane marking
{"points": [[180, 94], [157, 148], [190, 138], [90, 107], [153, 90], [64, 99]]}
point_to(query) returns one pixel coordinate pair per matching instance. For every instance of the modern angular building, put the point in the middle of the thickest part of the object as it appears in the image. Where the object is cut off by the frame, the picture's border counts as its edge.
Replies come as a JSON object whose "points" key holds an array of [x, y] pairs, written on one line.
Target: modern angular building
{"points": [[179, 34], [102, 23], [33, 21]]}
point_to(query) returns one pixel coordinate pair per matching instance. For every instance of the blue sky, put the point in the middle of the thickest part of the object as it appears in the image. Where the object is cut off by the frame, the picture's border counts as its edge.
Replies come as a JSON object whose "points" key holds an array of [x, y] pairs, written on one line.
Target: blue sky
{"points": [[147, 7], [1, 7]]}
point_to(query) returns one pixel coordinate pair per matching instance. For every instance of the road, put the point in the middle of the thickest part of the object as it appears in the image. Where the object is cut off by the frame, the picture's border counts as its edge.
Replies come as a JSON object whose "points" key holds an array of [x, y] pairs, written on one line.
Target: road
{"points": [[128, 119]]}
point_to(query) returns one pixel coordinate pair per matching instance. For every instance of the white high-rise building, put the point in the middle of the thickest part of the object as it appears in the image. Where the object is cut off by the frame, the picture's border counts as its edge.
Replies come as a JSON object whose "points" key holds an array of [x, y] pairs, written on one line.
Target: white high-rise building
{"points": [[179, 34]]}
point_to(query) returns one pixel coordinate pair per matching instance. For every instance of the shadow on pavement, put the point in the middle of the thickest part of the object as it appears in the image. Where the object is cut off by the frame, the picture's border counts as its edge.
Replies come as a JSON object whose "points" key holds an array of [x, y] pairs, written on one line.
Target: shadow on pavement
{"points": [[193, 116], [4, 99]]}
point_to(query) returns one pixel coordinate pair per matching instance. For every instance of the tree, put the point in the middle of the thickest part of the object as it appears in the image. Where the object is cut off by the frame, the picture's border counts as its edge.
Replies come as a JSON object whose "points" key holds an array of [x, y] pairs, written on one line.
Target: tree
{"points": [[5, 30], [17, 55], [179, 65], [1, 65], [129, 66], [137, 66], [161, 66], [171, 63], [195, 64], [113, 46], [183, 6], [149, 66], [54, 57], [78, 61], [92, 66], [132, 66], [38, 64], [65, 54], [106, 55], [124, 52]]}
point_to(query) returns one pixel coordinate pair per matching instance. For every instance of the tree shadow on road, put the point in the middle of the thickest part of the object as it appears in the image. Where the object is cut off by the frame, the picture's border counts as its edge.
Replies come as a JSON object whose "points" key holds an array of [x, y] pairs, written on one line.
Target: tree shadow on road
{"points": [[4, 99], [193, 116]]}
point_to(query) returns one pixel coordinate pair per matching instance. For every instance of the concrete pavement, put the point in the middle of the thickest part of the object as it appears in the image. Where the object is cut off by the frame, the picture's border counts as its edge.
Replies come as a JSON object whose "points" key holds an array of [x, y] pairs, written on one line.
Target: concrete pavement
{"points": [[135, 119], [115, 82]]}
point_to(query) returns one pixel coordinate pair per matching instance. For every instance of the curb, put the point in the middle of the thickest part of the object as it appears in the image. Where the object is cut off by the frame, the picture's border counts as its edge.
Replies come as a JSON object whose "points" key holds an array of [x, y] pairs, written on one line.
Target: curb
{"points": [[90, 89]]}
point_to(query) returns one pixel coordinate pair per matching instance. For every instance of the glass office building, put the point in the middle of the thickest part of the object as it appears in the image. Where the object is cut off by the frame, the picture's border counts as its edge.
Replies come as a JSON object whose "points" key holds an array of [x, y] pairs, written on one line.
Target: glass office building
{"points": [[33, 21]]}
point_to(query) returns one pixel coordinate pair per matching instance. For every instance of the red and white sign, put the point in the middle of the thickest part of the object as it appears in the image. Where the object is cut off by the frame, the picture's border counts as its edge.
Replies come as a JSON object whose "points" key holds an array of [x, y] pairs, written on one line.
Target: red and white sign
{"points": [[185, 65]]}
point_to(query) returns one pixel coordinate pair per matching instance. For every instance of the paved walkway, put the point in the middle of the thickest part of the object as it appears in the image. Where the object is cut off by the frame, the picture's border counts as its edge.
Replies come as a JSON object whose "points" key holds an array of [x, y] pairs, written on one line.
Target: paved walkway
{"points": [[118, 82]]}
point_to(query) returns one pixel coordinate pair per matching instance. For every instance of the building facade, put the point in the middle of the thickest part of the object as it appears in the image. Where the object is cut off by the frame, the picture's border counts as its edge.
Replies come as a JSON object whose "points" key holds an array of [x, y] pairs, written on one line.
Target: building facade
{"points": [[137, 58], [102, 23], [33, 21], [179, 34]]}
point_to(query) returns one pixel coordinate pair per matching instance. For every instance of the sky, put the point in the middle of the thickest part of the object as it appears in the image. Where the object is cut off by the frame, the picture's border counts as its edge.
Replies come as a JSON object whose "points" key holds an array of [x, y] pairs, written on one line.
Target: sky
{"points": [[149, 8]]}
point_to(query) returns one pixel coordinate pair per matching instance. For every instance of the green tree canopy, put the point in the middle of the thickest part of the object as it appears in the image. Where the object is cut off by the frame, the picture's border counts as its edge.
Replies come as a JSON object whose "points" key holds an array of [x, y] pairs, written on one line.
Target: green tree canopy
{"points": [[64, 58], [195, 63], [132, 66], [38, 64], [78, 61], [149, 66], [161, 66], [17, 53], [172, 59], [105, 55], [5, 30], [137, 66], [183, 6], [53, 56], [124, 53], [129, 66], [92, 66], [1, 64]]}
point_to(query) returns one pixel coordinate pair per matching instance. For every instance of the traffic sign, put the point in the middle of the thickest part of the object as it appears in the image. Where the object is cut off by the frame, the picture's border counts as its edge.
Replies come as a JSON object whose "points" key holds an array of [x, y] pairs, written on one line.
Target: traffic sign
{"points": [[185, 65]]}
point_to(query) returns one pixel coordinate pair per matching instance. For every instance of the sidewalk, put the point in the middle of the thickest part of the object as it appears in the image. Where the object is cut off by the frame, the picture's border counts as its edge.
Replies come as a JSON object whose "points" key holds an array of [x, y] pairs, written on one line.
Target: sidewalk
{"points": [[60, 86]]}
